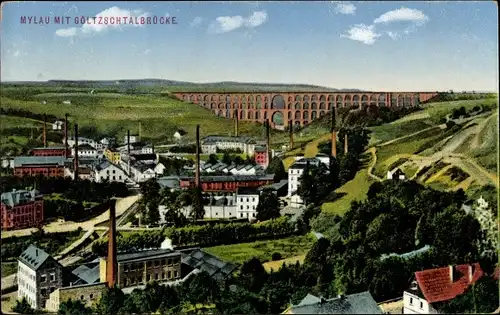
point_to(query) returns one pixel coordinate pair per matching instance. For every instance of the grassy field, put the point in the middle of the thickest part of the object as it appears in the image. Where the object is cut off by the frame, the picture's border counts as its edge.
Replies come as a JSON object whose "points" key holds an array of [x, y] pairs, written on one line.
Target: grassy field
{"points": [[276, 265], [9, 268], [113, 113], [263, 250]]}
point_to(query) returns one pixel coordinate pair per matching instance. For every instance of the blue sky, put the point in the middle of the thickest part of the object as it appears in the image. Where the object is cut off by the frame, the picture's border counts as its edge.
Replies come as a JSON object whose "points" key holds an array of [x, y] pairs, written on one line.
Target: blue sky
{"points": [[386, 46]]}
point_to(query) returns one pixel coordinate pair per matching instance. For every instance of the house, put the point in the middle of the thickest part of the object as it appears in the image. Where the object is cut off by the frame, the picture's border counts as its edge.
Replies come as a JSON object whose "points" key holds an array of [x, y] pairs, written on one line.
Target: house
{"points": [[88, 294], [112, 155], [38, 275], [211, 144], [85, 151], [396, 174], [49, 166], [247, 200], [85, 173], [49, 151], [359, 303], [179, 134], [58, 125], [261, 157], [296, 170], [67, 102], [439, 285], [147, 149], [21, 209], [108, 171], [133, 139], [141, 172]]}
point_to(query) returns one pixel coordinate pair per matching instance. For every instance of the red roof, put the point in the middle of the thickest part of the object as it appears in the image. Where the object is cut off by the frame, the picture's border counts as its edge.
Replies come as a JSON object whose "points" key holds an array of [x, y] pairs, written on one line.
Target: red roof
{"points": [[438, 285]]}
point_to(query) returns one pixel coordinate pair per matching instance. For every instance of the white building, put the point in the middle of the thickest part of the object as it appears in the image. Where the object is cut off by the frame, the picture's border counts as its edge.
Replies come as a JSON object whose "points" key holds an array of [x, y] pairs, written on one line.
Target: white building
{"points": [[159, 169], [297, 169], [85, 141], [147, 149], [142, 172], [86, 151], [233, 169], [111, 172], [211, 144], [67, 102], [58, 125], [246, 203], [396, 174], [38, 275], [133, 139]]}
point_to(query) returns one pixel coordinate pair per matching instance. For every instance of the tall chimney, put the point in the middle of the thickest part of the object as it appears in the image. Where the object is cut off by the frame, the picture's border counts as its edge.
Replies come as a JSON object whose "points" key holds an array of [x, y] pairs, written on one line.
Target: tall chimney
{"points": [[236, 123], [268, 143], [76, 152], [334, 135], [290, 129], [112, 264], [66, 153], [197, 178], [44, 130], [128, 150], [345, 144], [140, 131]]}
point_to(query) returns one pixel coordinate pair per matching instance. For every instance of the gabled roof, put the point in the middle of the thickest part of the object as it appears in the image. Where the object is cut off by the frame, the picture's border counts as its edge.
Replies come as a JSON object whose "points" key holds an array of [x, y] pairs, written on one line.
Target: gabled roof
{"points": [[34, 257], [87, 275], [438, 285], [16, 197], [38, 160], [359, 303], [204, 261]]}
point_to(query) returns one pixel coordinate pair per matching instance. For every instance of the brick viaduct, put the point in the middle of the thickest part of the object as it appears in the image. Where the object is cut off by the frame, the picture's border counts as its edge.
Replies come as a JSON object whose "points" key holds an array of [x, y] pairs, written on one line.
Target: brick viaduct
{"points": [[299, 107]]}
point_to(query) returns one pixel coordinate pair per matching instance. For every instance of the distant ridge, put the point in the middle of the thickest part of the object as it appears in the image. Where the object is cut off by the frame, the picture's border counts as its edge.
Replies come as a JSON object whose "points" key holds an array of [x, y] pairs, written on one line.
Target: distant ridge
{"points": [[229, 85]]}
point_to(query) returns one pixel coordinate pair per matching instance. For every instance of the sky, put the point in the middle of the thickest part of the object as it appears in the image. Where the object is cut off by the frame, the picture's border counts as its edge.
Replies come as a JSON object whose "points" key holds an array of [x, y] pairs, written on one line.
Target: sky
{"points": [[369, 45]]}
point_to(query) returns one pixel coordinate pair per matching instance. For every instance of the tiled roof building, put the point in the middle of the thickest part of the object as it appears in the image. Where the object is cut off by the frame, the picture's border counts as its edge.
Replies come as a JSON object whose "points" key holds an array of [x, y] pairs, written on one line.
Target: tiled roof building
{"points": [[359, 303]]}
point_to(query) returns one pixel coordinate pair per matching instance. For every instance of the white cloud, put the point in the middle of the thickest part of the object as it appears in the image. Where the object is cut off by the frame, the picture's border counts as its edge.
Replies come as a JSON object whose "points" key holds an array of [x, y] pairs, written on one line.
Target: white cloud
{"points": [[256, 19], [344, 7], [92, 28], [403, 15], [66, 32], [362, 33], [224, 24], [196, 21], [147, 51]]}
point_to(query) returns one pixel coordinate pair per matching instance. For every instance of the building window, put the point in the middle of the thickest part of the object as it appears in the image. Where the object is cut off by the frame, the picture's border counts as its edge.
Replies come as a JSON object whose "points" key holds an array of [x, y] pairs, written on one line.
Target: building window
{"points": [[148, 278], [175, 274], [169, 274], [91, 296], [156, 276], [254, 215], [421, 305], [411, 301], [44, 291], [52, 277], [43, 278], [241, 207], [170, 262], [81, 297], [163, 275], [241, 215], [149, 263]]}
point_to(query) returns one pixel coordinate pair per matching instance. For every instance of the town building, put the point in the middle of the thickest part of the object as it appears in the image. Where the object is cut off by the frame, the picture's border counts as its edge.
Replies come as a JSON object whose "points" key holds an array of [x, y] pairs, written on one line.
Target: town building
{"points": [[247, 200], [396, 174], [246, 169], [112, 155], [82, 141], [439, 285], [159, 169], [84, 173], [179, 134], [261, 156], [49, 166], [141, 172], [296, 170], [21, 209], [227, 183], [358, 303], [49, 151], [88, 294], [38, 275], [58, 125], [133, 139], [86, 151], [141, 267], [212, 144], [110, 172]]}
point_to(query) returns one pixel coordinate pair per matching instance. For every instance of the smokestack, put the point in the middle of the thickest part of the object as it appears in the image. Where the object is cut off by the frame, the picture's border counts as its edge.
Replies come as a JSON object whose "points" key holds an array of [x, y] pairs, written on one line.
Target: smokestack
{"points": [[111, 266], [128, 150], [66, 135], [197, 178], [76, 152], [236, 123], [268, 143], [334, 135], [345, 144], [140, 131], [44, 130], [290, 127]]}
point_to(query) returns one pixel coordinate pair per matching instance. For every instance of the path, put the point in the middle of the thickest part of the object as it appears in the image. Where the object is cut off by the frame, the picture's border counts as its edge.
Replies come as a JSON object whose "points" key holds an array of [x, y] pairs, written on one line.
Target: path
{"points": [[373, 151], [121, 206], [480, 128], [411, 135]]}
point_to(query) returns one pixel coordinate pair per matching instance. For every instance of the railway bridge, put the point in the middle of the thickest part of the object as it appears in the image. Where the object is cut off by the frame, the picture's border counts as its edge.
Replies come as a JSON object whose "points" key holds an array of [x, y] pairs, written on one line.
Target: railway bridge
{"points": [[299, 107]]}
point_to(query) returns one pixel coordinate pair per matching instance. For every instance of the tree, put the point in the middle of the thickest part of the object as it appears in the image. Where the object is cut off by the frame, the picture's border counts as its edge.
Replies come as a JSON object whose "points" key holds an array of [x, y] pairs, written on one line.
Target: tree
{"points": [[71, 307], [23, 307], [150, 189], [212, 159], [241, 302], [253, 275], [111, 301], [226, 158], [201, 288], [277, 168], [269, 205], [315, 184]]}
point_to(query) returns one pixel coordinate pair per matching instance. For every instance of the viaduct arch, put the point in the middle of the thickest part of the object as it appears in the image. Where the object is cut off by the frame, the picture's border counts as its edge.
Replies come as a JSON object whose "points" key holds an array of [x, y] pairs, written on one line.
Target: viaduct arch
{"points": [[299, 107]]}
